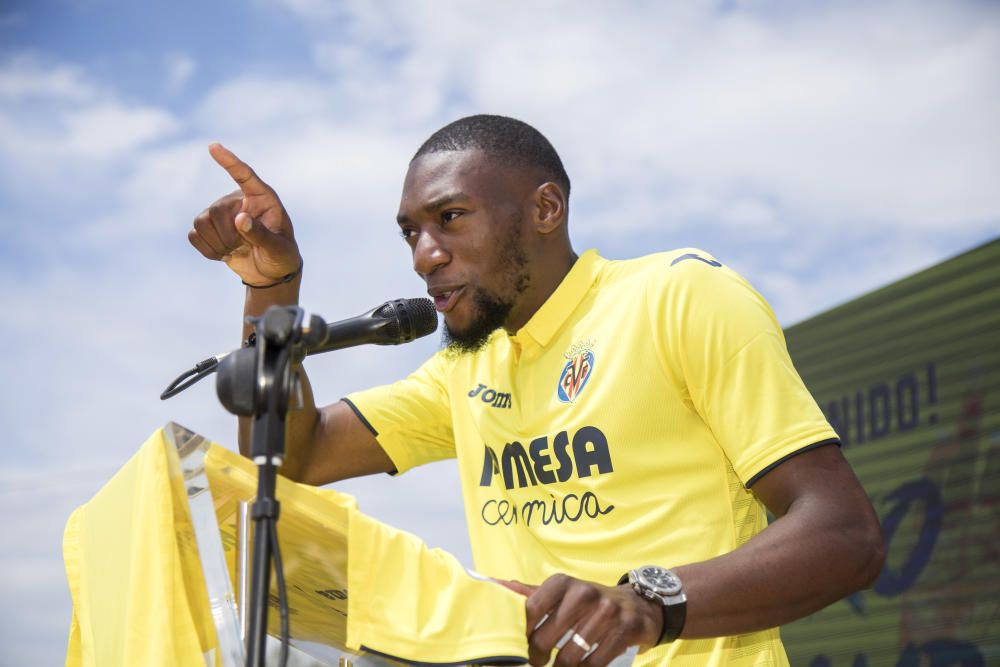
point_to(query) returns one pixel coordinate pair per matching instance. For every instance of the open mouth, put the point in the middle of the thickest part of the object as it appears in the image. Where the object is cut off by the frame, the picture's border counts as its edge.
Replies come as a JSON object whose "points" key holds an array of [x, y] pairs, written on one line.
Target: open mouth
{"points": [[446, 300]]}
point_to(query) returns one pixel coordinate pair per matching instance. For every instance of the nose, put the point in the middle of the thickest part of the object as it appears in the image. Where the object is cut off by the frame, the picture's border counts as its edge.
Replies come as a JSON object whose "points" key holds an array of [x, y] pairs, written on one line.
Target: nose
{"points": [[429, 255]]}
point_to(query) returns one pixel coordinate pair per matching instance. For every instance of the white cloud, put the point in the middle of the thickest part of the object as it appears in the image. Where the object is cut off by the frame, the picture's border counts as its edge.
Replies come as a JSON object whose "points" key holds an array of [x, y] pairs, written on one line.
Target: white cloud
{"points": [[110, 129], [252, 107], [179, 70], [67, 140], [23, 78], [844, 116]]}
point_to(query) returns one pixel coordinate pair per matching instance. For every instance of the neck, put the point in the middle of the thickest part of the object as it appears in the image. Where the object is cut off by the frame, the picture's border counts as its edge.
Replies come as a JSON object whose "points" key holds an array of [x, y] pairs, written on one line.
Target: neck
{"points": [[544, 282]]}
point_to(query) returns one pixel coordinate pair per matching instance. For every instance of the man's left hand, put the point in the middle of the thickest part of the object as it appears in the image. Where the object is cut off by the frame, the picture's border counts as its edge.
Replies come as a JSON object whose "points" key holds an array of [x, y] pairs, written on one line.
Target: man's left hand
{"points": [[602, 621]]}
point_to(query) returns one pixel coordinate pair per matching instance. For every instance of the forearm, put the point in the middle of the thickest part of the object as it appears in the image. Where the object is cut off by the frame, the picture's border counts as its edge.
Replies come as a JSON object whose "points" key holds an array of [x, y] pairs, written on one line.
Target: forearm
{"points": [[801, 563], [301, 420], [321, 445]]}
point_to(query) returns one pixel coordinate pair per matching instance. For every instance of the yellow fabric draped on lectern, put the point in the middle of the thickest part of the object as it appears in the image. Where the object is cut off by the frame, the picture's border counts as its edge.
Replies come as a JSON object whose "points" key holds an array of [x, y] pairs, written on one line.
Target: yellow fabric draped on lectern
{"points": [[139, 597], [134, 575]]}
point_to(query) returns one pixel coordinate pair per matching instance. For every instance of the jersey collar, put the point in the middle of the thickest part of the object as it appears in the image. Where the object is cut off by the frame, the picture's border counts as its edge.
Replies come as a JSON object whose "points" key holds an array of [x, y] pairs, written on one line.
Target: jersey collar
{"points": [[546, 321]]}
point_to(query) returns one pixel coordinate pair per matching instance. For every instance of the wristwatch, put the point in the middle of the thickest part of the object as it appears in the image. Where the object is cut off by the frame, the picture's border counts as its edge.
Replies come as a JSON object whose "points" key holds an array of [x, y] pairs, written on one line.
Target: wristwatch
{"points": [[662, 585]]}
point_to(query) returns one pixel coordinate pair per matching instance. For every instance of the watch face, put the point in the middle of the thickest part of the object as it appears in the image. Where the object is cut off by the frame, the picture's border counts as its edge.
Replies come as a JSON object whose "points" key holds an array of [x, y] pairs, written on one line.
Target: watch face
{"points": [[662, 581]]}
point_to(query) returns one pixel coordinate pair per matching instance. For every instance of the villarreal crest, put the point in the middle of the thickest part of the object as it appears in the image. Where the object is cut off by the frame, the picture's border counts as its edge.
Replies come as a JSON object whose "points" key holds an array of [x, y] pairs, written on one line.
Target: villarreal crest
{"points": [[576, 372]]}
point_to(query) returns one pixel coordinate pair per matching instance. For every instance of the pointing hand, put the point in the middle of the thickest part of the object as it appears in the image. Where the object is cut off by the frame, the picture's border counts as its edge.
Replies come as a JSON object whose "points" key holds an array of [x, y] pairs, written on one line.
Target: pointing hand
{"points": [[248, 229]]}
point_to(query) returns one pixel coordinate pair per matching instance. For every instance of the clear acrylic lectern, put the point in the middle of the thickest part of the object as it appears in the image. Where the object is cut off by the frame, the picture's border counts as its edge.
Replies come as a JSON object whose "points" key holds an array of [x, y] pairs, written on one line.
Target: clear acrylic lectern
{"points": [[221, 525]]}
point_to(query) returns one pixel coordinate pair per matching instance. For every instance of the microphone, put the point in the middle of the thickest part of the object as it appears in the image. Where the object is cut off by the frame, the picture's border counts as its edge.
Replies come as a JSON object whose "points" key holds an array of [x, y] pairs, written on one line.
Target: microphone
{"points": [[393, 323]]}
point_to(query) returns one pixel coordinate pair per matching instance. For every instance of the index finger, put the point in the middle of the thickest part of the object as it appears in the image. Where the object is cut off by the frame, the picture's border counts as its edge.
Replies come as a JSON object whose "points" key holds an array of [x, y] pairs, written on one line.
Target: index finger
{"points": [[544, 599], [517, 586], [249, 182]]}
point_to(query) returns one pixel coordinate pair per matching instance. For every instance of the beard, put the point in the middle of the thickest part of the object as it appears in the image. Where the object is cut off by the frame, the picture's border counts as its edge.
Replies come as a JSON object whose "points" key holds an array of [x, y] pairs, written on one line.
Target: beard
{"points": [[491, 309], [491, 313]]}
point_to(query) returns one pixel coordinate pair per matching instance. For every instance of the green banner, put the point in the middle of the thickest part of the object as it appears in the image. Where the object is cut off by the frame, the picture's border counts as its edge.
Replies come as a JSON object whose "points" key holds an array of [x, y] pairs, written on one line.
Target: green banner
{"points": [[909, 375]]}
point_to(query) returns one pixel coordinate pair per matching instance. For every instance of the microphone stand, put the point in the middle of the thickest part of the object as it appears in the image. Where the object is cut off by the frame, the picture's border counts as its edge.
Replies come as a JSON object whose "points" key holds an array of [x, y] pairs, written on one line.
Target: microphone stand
{"points": [[266, 449], [258, 382]]}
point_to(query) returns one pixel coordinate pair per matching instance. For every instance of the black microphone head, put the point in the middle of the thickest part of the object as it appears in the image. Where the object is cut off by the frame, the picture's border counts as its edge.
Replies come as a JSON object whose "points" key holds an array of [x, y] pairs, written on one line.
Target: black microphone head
{"points": [[407, 319]]}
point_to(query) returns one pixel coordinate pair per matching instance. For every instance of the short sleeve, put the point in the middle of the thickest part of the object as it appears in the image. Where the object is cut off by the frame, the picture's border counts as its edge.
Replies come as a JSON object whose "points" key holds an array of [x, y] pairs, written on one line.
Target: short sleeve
{"points": [[720, 339], [411, 418]]}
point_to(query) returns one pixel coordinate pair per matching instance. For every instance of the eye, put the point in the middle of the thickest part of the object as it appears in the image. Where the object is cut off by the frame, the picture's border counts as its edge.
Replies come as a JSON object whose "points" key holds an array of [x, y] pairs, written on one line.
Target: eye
{"points": [[448, 216], [408, 234]]}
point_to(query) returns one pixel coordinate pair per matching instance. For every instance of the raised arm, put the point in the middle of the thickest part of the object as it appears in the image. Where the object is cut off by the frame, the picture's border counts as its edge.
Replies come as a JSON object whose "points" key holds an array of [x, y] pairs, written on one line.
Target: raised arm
{"points": [[250, 231]]}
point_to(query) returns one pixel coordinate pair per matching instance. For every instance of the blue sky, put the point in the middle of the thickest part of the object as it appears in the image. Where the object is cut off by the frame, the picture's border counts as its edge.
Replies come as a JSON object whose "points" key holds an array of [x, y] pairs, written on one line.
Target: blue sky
{"points": [[821, 149]]}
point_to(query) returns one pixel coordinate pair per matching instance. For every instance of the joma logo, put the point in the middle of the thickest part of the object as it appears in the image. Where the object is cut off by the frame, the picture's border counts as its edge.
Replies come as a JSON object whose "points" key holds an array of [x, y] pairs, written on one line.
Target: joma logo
{"points": [[498, 399]]}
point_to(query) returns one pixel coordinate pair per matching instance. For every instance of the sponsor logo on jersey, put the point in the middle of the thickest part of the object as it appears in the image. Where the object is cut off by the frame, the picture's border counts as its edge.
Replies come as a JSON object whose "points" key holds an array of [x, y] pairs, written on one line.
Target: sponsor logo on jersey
{"points": [[546, 460], [492, 397], [585, 453], [569, 508], [577, 371]]}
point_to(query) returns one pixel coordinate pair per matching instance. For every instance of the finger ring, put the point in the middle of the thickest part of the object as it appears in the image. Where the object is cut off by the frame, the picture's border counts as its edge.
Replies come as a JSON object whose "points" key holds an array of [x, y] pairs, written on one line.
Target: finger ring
{"points": [[581, 642]]}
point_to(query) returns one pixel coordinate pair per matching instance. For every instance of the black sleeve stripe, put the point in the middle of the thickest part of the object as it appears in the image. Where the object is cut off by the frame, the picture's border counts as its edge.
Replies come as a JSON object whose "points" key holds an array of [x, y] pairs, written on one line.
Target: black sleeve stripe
{"points": [[364, 421], [815, 445], [368, 424]]}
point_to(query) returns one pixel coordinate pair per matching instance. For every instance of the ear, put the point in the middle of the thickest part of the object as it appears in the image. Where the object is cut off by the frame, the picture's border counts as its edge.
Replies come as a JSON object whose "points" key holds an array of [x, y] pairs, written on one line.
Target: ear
{"points": [[550, 208]]}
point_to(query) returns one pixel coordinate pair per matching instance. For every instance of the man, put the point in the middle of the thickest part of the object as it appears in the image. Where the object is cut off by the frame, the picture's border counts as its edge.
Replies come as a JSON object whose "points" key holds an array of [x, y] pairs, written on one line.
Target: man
{"points": [[605, 415]]}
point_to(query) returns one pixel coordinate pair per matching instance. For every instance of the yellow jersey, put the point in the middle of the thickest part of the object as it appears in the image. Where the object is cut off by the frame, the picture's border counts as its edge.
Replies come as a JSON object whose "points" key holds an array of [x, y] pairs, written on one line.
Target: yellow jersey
{"points": [[623, 425]]}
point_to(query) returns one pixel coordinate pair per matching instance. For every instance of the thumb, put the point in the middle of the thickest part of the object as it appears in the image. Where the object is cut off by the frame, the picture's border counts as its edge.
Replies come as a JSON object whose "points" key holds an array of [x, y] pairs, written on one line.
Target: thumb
{"points": [[273, 254], [255, 233]]}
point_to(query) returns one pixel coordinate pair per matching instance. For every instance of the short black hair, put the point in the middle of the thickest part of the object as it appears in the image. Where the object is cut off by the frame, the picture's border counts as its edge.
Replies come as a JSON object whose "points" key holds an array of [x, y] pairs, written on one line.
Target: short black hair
{"points": [[509, 140]]}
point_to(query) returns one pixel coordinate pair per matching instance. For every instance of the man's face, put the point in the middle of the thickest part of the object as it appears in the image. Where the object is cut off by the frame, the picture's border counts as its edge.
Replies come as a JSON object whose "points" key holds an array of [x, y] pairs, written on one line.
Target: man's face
{"points": [[464, 217]]}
